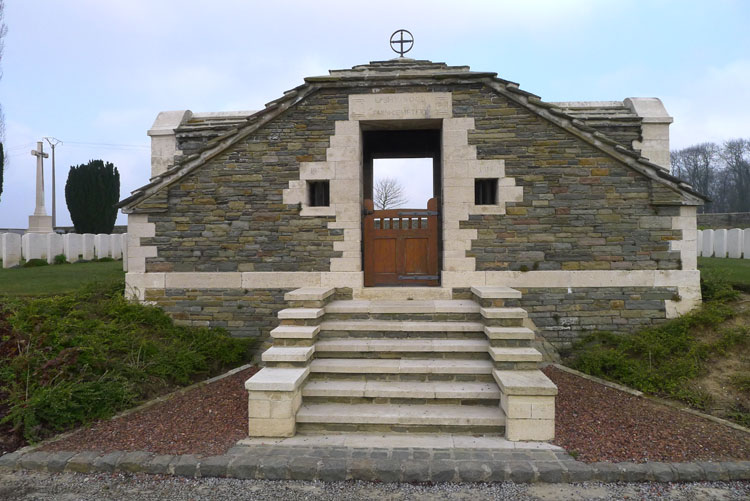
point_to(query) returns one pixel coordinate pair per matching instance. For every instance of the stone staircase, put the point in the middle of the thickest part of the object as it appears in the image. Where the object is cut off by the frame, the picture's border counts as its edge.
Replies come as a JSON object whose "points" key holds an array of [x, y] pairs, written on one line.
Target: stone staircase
{"points": [[400, 360]]}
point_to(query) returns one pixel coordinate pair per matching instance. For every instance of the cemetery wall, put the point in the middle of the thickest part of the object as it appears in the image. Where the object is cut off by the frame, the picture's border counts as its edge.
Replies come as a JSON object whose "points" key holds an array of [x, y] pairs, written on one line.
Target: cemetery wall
{"points": [[724, 220]]}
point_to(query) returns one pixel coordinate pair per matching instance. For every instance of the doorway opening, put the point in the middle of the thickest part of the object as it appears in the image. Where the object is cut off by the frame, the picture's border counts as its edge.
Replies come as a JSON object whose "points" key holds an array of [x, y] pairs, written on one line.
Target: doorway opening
{"points": [[402, 188]]}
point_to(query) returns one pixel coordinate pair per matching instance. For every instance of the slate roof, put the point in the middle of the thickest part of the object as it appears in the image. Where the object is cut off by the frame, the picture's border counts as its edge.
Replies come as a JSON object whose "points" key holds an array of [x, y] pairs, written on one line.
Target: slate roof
{"points": [[589, 125]]}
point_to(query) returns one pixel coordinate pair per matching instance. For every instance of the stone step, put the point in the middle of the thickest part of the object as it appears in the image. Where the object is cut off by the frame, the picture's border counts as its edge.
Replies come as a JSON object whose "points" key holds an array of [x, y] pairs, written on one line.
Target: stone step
{"points": [[512, 354], [300, 313], [401, 366], [494, 332], [295, 331], [495, 292], [400, 325], [503, 312], [397, 293], [288, 354], [309, 294], [400, 345], [402, 414], [394, 306], [410, 389]]}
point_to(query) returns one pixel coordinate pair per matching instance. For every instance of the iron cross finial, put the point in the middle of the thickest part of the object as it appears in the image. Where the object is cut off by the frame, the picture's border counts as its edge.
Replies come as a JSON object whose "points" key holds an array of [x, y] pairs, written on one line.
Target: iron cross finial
{"points": [[405, 44]]}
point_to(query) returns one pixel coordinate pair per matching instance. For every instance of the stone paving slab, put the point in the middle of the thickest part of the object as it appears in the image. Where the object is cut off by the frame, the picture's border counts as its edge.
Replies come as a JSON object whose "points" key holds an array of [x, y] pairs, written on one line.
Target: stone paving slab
{"points": [[382, 464]]}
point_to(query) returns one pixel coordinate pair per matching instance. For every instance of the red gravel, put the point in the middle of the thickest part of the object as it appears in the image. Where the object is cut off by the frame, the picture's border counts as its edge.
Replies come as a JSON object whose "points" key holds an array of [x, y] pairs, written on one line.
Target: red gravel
{"points": [[205, 421], [598, 423], [594, 422]]}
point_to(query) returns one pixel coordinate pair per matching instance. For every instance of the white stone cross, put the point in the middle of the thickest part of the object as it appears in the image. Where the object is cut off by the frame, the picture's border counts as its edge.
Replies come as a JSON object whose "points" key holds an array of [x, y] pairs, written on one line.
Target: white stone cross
{"points": [[40, 156]]}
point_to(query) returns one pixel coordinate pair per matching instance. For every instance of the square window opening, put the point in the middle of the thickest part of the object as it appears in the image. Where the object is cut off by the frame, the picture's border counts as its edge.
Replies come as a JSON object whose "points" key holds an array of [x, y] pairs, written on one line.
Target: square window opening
{"points": [[318, 193], [485, 191]]}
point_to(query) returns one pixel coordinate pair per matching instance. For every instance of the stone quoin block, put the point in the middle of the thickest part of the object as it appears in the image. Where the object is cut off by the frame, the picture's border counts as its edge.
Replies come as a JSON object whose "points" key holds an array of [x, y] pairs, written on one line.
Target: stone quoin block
{"points": [[10, 249]]}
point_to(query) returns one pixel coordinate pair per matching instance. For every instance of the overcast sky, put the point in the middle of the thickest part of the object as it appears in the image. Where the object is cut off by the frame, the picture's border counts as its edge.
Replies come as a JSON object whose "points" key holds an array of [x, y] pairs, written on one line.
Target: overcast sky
{"points": [[95, 73]]}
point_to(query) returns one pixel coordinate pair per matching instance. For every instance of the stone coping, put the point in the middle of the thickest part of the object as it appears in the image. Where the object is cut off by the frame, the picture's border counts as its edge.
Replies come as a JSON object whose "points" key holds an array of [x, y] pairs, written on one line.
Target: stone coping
{"points": [[383, 464], [277, 379]]}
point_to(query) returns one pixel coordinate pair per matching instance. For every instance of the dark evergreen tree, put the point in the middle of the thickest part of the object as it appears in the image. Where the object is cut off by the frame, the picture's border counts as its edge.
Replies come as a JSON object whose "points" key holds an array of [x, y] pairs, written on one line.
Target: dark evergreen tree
{"points": [[91, 193]]}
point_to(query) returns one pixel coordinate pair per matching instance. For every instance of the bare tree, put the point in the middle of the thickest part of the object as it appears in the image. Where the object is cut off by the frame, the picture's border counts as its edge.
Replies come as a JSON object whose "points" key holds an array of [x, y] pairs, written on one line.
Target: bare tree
{"points": [[736, 156], [697, 165], [388, 194]]}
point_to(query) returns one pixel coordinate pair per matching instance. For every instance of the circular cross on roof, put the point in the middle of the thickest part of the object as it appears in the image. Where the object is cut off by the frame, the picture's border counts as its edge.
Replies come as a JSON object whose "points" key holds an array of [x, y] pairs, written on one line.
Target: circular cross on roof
{"points": [[404, 40]]}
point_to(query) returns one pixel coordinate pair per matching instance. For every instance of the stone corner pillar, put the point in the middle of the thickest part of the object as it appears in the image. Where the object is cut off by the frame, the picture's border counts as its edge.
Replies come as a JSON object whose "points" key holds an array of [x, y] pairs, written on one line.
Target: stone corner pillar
{"points": [[528, 399], [655, 121], [164, 140], [274, 397]]}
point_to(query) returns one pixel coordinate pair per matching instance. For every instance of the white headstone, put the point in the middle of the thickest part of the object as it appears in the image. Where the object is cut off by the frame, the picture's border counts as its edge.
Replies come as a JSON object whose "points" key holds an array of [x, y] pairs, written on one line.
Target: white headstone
{"points": [[708, 243], [115, 246], [34, 246], [700, 242], [720, 243], [87, 250], [124, 244], [11, 249], [746, 243], [101, 245], [54, 246], [73, 246], [734, 243]]}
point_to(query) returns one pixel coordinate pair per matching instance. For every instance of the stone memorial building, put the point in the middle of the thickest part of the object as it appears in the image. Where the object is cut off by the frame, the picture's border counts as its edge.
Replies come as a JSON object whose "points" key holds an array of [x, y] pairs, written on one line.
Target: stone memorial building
{"points": [[547, 220]]}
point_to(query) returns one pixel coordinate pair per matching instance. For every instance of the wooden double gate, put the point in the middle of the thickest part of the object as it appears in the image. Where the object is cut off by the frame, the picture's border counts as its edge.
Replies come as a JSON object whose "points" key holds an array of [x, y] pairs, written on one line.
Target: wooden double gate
{"points": [[401, 246]]}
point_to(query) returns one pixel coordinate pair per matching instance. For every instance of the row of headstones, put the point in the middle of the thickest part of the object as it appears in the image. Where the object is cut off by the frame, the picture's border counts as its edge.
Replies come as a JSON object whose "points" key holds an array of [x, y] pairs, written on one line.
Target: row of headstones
{"points": [[733, 243], [75, 247]]}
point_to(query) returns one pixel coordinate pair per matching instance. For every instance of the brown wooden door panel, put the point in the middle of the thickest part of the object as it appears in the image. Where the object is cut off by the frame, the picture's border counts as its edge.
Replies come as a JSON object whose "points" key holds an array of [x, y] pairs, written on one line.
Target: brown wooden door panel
{"points": [[401, 246]]}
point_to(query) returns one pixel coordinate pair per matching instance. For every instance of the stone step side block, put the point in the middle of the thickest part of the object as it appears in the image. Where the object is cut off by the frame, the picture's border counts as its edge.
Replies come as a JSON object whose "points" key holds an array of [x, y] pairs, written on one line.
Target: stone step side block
{"points": [[512, 354], [288, 354], [497, 332], [295, 332], [495, 292], [528, 400], [506, 312], [274, 397], [300, 313]]}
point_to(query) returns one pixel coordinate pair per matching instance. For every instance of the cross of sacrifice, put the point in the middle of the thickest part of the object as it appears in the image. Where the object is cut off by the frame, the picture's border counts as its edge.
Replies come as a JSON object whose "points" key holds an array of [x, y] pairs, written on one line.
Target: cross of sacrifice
{"points": [[40, 156]]}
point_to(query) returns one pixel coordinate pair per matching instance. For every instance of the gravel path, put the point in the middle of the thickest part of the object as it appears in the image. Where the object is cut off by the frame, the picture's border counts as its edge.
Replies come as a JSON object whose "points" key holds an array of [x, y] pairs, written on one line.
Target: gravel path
{"points": [[595, 422], [598, 423], [27, 486], [205, 421]]}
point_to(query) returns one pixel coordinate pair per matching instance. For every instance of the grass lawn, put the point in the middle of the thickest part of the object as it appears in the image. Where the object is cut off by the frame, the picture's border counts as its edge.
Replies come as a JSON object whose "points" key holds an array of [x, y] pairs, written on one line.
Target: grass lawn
{"points": [[56, 279], [735, 271]]}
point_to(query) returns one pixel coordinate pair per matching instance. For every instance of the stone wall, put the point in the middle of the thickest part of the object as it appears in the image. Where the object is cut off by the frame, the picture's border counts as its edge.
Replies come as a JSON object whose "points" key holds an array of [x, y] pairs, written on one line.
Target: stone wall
{"points": [[229, 214], [244, 313], [564, 315], [724, 220], [581, 210]]}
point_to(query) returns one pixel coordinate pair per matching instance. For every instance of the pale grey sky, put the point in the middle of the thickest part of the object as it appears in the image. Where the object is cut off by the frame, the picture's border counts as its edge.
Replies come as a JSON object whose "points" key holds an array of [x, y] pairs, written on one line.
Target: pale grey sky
{"points": [[95, 73]]}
